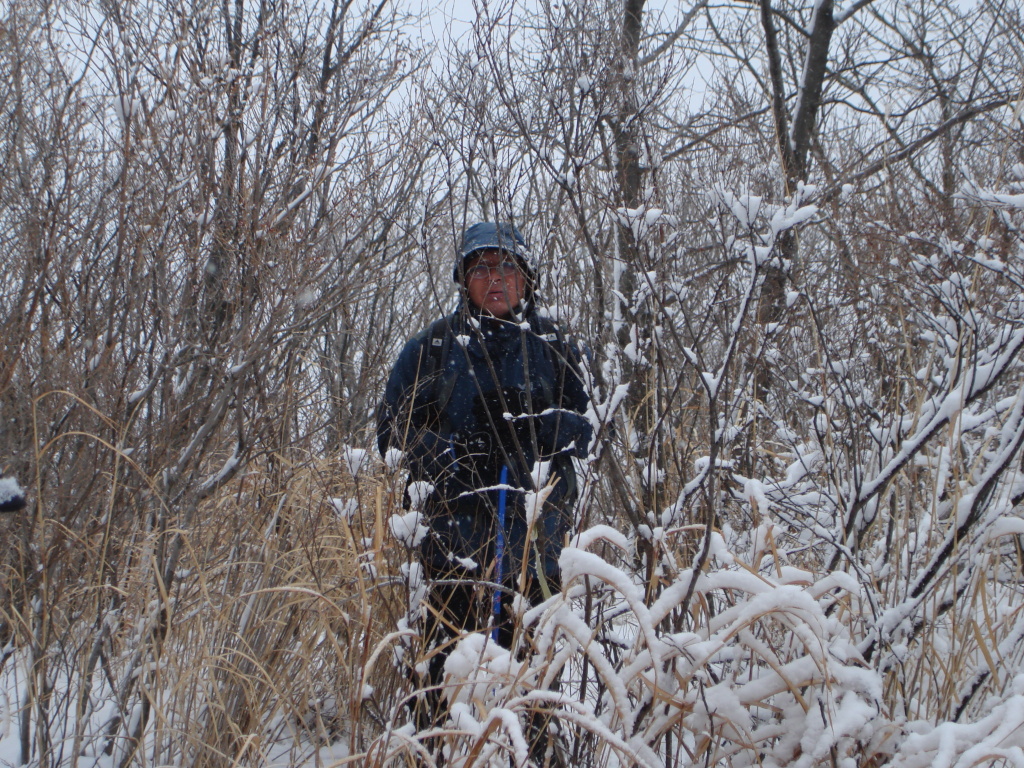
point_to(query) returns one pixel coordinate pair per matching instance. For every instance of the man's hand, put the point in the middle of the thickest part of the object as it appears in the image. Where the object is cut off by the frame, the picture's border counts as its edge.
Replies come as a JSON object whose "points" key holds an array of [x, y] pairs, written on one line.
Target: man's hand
{"points": [[561, 431]]}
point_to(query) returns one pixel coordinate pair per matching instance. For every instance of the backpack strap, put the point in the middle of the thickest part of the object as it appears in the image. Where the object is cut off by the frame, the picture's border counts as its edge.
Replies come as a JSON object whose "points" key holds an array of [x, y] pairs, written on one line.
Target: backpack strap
{"points": [[434, 368], [549, 331], [556, 350]]}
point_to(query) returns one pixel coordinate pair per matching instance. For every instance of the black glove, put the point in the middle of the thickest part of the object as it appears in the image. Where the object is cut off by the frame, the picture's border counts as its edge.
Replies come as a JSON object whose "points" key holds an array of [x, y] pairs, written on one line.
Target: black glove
{"points": [[561, 431]]}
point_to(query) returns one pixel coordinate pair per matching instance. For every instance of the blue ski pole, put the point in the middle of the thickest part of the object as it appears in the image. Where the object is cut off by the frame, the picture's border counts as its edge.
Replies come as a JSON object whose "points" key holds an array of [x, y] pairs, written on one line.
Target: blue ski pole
{"points": [[499, 552]]}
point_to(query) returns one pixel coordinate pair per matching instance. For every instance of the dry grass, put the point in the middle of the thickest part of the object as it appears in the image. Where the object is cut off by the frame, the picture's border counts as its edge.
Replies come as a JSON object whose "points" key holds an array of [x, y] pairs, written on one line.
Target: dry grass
{"points": [[281, 614]]}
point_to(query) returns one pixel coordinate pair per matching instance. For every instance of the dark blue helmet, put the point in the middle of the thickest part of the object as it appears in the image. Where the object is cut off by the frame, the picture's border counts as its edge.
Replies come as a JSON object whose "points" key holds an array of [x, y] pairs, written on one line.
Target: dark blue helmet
{"points": [[488, 234]]}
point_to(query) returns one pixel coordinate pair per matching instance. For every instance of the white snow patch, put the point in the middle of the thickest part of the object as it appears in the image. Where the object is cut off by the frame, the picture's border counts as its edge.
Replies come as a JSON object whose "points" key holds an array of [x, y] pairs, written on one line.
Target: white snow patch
{"points": [[345, 508], [408, 529], [419, 491], [9, 489], [355, 459], [393, 458]]}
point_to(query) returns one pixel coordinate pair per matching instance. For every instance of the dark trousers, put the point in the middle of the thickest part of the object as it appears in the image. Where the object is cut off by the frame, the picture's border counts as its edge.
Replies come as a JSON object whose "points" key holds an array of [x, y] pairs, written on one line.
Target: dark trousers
{"points": [[461, 599], [456, 606]]}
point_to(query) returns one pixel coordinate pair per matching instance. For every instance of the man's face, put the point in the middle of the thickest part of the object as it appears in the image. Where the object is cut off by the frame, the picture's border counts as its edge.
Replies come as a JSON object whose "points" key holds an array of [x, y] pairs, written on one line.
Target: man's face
{"points": [[495, 282]]}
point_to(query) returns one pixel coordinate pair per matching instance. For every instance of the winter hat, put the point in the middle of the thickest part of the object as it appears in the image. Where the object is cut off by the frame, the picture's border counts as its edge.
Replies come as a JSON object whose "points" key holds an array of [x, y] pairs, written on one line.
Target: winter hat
{"points": [[501, 236]]}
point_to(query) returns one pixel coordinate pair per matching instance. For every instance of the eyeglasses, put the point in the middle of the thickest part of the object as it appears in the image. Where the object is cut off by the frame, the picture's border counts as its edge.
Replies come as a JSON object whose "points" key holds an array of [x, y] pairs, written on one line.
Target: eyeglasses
{"points": [[484, 271]]}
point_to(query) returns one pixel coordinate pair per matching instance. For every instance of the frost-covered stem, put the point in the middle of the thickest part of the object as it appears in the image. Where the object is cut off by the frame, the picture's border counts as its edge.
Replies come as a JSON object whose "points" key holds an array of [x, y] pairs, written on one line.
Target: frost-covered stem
{"points": [[888, 161], [713, 388], [961, 538], [626, 129], [809, 90], [101, 635], [175, 493], [793, 137], [708, 486], [636, 322], [975, 381], [979, 497], [778, 93], [36, 602], [1006, 648]]}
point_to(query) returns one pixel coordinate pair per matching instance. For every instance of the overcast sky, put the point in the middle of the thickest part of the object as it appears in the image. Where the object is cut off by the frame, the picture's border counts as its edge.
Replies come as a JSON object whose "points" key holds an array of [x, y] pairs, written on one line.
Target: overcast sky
{"points": [[457, 15]]}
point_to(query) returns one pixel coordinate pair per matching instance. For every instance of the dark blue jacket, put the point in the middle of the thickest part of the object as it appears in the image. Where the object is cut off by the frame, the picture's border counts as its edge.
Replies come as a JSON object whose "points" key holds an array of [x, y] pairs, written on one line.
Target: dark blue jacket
{"points": [[510, 393]]}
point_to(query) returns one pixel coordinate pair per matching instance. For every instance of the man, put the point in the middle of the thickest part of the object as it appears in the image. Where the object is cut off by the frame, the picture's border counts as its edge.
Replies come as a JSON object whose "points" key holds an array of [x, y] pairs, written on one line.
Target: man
{"points": [[475, 401]]}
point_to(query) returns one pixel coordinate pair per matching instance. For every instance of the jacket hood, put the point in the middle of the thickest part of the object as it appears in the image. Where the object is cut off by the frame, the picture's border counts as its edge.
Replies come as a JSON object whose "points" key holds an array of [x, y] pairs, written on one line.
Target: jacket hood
{"points": [[501, 236]]}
